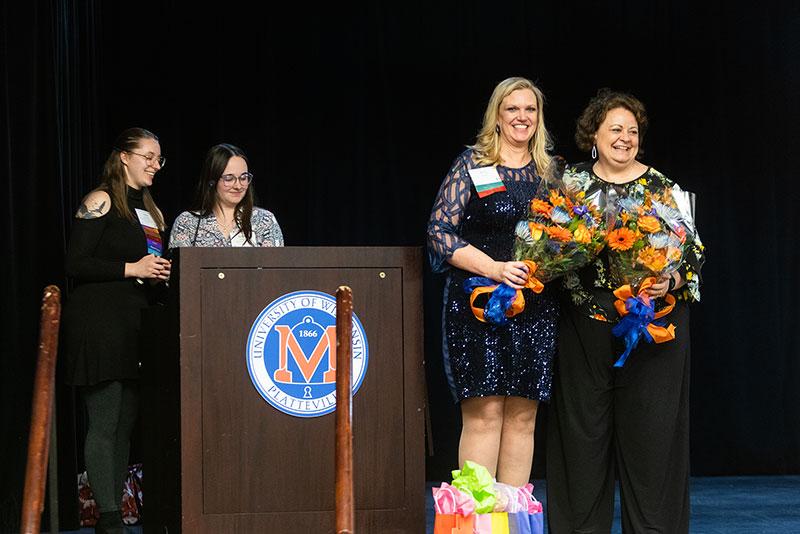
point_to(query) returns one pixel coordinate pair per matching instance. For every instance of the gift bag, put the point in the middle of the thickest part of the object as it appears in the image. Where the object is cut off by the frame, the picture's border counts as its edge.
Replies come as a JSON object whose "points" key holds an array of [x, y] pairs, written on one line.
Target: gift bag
{"points": [[454, 511], [537, 523], [519, 523], [454, 524], [132, 512], [494, 523]]}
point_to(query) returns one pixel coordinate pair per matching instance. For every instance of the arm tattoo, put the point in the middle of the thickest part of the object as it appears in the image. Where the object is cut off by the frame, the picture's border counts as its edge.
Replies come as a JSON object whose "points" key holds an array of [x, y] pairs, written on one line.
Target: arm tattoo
{"points": [[85, 213]]}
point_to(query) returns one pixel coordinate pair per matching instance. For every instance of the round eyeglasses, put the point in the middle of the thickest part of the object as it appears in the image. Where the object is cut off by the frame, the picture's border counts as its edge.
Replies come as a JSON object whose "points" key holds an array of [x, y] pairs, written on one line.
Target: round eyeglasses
{"points": [[152, 159], [229, 179]]}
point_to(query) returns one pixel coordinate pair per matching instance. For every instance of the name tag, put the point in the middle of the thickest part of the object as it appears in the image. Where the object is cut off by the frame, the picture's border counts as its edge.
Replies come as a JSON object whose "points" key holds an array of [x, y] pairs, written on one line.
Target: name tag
{"points": [[486, 181]]}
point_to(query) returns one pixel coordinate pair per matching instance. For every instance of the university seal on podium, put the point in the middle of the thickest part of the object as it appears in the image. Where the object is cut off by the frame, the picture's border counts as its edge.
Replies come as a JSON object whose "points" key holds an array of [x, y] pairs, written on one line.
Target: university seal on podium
{"points": [[291, 353]]}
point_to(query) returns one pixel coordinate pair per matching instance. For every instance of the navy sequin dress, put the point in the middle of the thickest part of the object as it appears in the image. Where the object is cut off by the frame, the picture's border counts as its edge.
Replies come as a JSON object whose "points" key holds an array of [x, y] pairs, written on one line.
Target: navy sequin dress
{"points": [[482, 359]]}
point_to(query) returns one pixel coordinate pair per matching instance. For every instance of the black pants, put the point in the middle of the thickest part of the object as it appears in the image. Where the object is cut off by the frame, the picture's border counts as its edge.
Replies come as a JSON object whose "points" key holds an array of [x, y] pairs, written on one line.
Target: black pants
{"points": [[631, 422], [111, 408]]}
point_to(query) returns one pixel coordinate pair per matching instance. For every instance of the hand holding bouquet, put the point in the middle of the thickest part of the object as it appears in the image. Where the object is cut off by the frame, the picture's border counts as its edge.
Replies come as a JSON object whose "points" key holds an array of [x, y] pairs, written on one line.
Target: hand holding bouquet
{"points": [[562, 233], [646, 237], [646, 240]]}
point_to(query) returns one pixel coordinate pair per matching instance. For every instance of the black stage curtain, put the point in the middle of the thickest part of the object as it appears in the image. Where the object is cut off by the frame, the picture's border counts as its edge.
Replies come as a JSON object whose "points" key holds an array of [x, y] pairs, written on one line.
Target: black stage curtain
{"points": [[351, 117]]}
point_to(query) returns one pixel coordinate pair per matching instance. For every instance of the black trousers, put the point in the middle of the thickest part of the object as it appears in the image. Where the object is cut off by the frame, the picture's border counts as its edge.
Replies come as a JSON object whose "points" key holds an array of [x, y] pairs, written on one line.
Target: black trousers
{"points": [[632, 423]]}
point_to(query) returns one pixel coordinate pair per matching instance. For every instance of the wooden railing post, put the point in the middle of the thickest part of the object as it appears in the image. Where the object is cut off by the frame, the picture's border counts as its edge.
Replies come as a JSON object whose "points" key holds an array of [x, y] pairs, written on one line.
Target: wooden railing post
{"points": [[44, 386], [345, 513]]}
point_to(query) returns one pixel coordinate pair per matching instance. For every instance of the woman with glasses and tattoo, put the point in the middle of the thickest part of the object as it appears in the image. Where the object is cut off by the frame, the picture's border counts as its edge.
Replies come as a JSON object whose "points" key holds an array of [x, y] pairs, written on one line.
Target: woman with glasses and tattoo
{"points": [[224, 214], [114, 258]]}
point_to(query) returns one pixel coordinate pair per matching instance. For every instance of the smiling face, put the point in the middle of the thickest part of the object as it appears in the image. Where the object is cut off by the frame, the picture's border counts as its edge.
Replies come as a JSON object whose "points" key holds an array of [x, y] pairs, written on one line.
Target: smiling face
{"points": [[617, 138], [518, 117], [141, 164], [229, 196]]}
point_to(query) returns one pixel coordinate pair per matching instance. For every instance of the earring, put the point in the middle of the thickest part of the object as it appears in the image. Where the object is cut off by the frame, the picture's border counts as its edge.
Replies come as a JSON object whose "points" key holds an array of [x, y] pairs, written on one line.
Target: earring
{"points": [[594, 151], [497, 128]]}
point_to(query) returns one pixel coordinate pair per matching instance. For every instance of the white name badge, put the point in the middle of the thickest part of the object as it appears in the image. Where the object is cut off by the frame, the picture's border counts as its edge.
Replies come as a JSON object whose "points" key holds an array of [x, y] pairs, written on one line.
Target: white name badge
{"points": [[486, 181], [145, 219]]}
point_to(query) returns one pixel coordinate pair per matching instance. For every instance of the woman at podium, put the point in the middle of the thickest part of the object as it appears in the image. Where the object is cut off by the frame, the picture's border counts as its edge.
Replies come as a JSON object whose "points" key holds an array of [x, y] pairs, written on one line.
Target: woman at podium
{"points": [[114, 257], [498, 374], [224, 214]]}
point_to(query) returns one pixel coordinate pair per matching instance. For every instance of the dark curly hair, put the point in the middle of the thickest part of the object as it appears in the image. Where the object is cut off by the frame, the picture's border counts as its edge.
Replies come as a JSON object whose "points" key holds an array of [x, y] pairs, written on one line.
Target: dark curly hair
{"points": [[597, 109]]}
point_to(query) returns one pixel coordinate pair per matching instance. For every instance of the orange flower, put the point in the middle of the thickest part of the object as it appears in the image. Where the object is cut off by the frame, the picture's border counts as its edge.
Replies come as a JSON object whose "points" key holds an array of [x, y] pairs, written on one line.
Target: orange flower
{"points": [[625, 218], [556, 199], [652, 258], [649, 224], [559, 233], [536, 230], [582, 234], [674, 254], [621, 239], [540, 206]]}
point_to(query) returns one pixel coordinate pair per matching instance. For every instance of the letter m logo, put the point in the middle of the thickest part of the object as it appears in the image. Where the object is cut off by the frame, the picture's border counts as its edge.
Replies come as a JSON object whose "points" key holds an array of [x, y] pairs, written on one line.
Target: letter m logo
{"points": [[307, 364]]}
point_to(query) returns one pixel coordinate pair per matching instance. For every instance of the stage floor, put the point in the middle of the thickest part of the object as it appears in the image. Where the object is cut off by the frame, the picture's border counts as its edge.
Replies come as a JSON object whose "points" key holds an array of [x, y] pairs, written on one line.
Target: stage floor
{"points": [[720, 505]]}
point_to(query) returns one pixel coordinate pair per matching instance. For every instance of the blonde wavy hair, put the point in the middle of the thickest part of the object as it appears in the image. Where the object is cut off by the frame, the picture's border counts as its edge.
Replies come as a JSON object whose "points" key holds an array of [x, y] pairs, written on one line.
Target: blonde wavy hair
{"points": [[487, 144]]}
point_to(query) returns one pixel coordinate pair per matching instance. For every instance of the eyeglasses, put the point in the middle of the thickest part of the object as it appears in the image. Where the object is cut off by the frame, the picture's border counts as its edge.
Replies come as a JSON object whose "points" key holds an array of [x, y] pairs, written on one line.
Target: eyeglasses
{"points": [[228, 179], [151, 159]]}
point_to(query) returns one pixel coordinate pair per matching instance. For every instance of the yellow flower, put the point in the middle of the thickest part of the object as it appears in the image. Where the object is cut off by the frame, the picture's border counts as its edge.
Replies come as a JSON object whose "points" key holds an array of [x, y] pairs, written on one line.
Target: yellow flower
{"points": [[649, 224], [653, 259], [536, 230], [643, 181], [689, 275], [582, 234]]}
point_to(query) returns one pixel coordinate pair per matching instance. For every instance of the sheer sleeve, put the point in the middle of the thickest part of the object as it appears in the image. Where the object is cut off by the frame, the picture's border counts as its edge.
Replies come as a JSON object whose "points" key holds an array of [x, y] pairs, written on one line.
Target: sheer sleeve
{"points": [[81, 262], [184, 230], [445, 220], [694, 256]]}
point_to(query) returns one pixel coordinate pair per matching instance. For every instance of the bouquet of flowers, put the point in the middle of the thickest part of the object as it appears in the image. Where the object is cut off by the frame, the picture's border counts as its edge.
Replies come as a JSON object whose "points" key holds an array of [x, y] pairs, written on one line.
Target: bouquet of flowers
{"points": [[562, 233], [646, 239]]}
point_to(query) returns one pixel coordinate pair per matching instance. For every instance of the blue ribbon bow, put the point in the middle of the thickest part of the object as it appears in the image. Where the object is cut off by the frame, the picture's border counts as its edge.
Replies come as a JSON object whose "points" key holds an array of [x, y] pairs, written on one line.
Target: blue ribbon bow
{"points": [[633, 326], [500, 300]]}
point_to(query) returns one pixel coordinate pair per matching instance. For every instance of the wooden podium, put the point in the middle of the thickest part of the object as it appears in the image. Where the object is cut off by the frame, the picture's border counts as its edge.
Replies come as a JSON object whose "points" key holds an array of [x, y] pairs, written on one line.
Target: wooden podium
{"points": [[219, 458]]}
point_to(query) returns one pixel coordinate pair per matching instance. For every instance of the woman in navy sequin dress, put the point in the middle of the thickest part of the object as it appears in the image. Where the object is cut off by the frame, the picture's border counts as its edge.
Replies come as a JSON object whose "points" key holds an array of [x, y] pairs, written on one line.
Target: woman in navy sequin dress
{"points": [[497, 373]]}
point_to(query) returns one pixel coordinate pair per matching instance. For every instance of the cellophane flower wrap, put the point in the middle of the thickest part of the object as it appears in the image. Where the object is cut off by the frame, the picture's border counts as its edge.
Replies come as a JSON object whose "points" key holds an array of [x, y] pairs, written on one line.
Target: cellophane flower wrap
{"points": [[562, 233], [646, 235]]}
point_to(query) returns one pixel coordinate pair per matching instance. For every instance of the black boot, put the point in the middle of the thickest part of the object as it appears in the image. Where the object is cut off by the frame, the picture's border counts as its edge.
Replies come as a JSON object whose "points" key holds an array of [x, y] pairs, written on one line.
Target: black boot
{"points": [[110, 523]]}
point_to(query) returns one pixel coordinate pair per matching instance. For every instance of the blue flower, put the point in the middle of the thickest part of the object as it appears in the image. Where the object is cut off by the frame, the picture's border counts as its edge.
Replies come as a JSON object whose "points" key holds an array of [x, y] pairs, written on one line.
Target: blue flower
{"points": [[580, 210], [560, 215]]}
